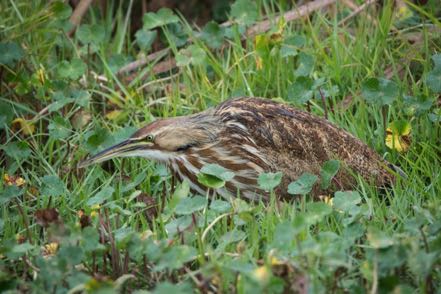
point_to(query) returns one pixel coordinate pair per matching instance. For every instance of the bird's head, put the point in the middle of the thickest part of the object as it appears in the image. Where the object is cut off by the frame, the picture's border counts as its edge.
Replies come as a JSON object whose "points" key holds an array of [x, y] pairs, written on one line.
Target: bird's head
{"points": [[162, 140]]}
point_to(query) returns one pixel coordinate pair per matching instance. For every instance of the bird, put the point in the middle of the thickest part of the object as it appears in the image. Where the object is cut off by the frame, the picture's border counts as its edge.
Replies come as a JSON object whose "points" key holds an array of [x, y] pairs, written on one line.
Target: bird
{"points": [[251, 136]]}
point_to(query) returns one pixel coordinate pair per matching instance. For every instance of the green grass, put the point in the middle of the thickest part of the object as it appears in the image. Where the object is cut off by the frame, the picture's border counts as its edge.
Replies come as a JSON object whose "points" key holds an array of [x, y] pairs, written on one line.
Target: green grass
{"points": [[374, 243]]}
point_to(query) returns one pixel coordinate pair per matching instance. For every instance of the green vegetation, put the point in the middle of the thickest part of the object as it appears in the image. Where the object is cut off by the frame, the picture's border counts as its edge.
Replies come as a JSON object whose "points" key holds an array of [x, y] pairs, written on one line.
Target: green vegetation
{"points": [[121, 226]]}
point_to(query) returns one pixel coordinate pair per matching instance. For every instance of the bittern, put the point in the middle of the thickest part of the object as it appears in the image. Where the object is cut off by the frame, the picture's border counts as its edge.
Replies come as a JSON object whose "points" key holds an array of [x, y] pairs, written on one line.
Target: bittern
{"points": [[250, 136]]}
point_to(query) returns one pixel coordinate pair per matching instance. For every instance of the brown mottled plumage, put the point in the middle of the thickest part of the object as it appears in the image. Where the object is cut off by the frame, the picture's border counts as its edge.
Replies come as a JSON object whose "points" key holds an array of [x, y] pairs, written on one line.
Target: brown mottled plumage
{"points": [[250, 136]]}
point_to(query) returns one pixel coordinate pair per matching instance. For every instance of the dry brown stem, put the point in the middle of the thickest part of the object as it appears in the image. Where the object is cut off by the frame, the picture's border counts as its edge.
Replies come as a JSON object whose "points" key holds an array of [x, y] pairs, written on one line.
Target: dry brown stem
{"points": [[78, 14], [356, 10]]}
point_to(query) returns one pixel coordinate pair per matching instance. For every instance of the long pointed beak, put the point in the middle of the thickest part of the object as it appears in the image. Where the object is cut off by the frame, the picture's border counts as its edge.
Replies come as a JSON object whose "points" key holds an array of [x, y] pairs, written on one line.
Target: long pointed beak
{"points": [[122, 149]]}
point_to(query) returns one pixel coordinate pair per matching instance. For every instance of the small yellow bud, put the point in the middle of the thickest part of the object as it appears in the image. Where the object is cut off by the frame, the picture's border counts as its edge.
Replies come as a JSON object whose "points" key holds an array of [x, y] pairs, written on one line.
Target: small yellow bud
{"points": [[50, 249], [95, 207]]}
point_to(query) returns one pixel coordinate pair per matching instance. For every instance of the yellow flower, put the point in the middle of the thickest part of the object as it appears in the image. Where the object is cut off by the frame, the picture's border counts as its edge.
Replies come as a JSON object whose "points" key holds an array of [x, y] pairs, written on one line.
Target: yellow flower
{"points": [[398, 136], [19, 182], [95, 210], [7, 179], [95, 207], [50, 249], [328, 199], [13, 180], [275, 261]]}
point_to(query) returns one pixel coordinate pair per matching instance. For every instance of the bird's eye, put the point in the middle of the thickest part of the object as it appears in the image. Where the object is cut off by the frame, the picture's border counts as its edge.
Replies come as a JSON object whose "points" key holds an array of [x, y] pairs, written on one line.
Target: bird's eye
{"points": [[149, 138]]}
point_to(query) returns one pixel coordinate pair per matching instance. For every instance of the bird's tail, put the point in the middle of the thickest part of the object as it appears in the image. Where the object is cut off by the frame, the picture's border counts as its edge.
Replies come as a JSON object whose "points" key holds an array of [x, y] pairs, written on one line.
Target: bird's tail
{"points": [[398, 170]]}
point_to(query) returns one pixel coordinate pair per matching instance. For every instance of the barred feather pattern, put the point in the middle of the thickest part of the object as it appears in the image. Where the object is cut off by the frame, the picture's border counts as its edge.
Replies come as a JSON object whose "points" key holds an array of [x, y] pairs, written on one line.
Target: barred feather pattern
{"points": [[243, 159], [251, 136], [233, 148]]}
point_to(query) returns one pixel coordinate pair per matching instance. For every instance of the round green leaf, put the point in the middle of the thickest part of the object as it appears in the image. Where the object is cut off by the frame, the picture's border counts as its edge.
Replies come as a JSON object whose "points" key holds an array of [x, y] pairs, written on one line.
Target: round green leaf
{"points": [[17, 150], [191, 55], [145, 38], [244, 11], [177, 35], [433, 79], [91, 34], [379, 239], [71, 70], [303, 185], [291, 45], [61, 10], [220, 206], [217, 171], [316, 211], [268, 181], [59, 128], [301, 91], [175, 257], [191, 205], [167, 288], [305, 64], [182, 191], [52, 186], [10, 53], [6, 114], [103, 195], [164, 16], [210, 181], [213, 35], [346, 201], [9, 192], [379, 91], [328, 172]]}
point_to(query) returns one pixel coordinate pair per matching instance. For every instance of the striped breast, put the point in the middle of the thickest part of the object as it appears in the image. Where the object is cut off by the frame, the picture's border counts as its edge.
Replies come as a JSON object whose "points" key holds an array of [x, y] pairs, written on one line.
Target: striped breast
{"points": [[243, 159]]}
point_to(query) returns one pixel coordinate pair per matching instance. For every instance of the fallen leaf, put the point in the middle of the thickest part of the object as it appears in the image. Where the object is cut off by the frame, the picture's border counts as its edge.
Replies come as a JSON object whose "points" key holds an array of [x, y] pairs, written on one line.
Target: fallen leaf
{"points": [[80, 119], [26, 126], [151, 209], [45, 217]]}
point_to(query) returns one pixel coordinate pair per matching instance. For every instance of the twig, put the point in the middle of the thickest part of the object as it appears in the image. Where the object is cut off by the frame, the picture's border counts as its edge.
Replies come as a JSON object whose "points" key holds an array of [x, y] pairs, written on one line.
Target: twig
{"points": [[161, 67], [357, 10], [115, 257], [142, 61], [29, 263], [78, 14]]}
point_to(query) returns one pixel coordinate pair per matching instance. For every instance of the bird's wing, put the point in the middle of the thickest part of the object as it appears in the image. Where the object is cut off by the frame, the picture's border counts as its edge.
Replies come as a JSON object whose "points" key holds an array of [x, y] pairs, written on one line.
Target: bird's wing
{"points": [[294, 137]]}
